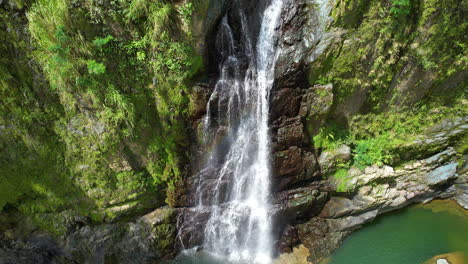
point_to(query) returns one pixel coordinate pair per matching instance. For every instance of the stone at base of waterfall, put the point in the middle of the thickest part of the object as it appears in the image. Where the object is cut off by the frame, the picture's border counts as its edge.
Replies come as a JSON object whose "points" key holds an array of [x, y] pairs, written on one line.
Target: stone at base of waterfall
{"points": [[298, 256], [442, 261]]}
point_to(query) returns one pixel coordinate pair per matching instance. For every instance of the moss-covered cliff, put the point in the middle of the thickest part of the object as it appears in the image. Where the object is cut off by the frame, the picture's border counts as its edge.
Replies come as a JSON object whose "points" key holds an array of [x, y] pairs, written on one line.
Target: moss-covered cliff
{"points": [[94, 96], [397, 68], [98, 115]]}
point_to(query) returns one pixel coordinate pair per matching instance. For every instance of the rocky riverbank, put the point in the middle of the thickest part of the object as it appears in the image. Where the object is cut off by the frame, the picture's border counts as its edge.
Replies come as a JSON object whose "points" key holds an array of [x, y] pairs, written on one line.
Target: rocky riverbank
{"points": [[375, 191]]}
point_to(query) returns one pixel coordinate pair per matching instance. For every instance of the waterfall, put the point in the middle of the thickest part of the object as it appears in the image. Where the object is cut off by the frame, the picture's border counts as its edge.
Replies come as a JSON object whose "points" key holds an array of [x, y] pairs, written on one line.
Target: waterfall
{"points": [[239, 226]]}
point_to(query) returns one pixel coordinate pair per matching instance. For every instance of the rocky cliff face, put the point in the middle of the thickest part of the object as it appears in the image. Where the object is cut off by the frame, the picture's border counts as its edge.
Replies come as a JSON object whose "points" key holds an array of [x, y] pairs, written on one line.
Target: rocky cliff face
{"points": [[337, 163], [368, 115], [336, 166], [339, 156]]}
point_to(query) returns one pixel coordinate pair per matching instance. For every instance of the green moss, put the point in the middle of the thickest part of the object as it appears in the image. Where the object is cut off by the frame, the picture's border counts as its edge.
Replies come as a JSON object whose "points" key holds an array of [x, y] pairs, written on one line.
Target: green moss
{"points": [[406, 59], [94, 97], [331, 136], [386, 138], [372, 151], [95, 67], [159, 61], [391, 40], [349, 13], [462, 146], [342, 179]]}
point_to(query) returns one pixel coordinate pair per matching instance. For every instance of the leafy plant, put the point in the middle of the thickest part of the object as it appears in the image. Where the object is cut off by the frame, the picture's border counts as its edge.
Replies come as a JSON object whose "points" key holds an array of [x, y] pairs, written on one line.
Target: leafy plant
{"points": [[372, 151], [95, 67], [400, 7], [186, 10], [330, 136], [99, 42]]}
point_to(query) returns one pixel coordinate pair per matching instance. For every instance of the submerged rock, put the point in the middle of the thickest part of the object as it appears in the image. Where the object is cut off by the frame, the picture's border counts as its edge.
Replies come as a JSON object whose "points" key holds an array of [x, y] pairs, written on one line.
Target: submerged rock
{"points": [[462, 200], [299, 255], [449, 258]]}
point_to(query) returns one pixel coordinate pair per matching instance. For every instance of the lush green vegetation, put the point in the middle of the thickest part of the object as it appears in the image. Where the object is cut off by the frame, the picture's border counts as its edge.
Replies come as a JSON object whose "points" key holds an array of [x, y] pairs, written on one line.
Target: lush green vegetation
{"points": [[342, 178], [407, 60], [94, 98], [393, 48], [376, 137], [400, 7]]}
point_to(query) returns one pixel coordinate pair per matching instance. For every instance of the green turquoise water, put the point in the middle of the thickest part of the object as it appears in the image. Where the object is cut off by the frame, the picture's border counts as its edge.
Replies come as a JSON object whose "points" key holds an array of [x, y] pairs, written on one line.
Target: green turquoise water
{"points": [[409, 236]]}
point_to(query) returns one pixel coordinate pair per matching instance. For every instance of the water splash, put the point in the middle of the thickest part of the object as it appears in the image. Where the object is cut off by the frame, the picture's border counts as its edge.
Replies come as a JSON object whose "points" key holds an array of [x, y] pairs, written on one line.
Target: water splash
{"points": [[239, 226]]}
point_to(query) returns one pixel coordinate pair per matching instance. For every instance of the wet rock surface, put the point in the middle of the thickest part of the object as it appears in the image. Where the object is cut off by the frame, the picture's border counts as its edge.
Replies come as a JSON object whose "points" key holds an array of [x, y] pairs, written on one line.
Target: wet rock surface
{"points": [[309, 210]]}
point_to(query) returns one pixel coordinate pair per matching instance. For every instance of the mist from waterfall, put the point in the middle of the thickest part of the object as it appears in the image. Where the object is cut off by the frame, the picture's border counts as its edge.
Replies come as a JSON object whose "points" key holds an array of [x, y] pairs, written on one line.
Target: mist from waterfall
{"points": [[239, 226]]}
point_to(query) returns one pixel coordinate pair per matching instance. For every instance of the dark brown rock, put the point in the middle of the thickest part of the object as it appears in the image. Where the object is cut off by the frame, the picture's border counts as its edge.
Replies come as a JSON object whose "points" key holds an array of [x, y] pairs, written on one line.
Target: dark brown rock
{"points": [[288, 239], [318, 238], [190, 226], [299, 203], [291, 62], [293, 166], [285, 102], [289, 162], [290, 133]]}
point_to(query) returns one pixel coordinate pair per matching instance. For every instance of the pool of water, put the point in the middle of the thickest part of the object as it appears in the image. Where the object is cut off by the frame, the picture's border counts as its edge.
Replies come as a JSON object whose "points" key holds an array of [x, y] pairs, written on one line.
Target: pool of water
{"points": [[408, 236], [201, 258], [195, 258]]}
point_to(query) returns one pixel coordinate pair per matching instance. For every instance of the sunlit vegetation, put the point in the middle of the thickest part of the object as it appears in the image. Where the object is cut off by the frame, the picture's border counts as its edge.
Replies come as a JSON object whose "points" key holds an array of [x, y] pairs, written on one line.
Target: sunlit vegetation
{"points": [[93, 107], [405, 58]]}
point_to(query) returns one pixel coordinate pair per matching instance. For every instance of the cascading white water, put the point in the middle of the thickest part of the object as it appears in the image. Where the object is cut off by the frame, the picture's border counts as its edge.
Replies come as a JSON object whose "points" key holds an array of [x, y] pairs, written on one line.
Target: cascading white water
{"points": [[239, 226]]}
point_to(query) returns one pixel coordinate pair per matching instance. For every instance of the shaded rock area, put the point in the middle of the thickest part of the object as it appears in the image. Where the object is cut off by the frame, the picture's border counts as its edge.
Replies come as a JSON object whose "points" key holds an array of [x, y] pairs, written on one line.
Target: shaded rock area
{"points": [[147, 239]]}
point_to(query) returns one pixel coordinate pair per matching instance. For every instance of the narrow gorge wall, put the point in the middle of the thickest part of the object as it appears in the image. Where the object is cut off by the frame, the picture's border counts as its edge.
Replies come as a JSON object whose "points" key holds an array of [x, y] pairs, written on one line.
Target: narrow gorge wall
{"points": [[102, 101]]}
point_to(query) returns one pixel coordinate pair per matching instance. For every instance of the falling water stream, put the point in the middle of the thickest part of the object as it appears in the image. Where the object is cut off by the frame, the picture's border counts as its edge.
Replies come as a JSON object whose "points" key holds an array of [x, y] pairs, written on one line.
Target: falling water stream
{"points": [[239, 226]]}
